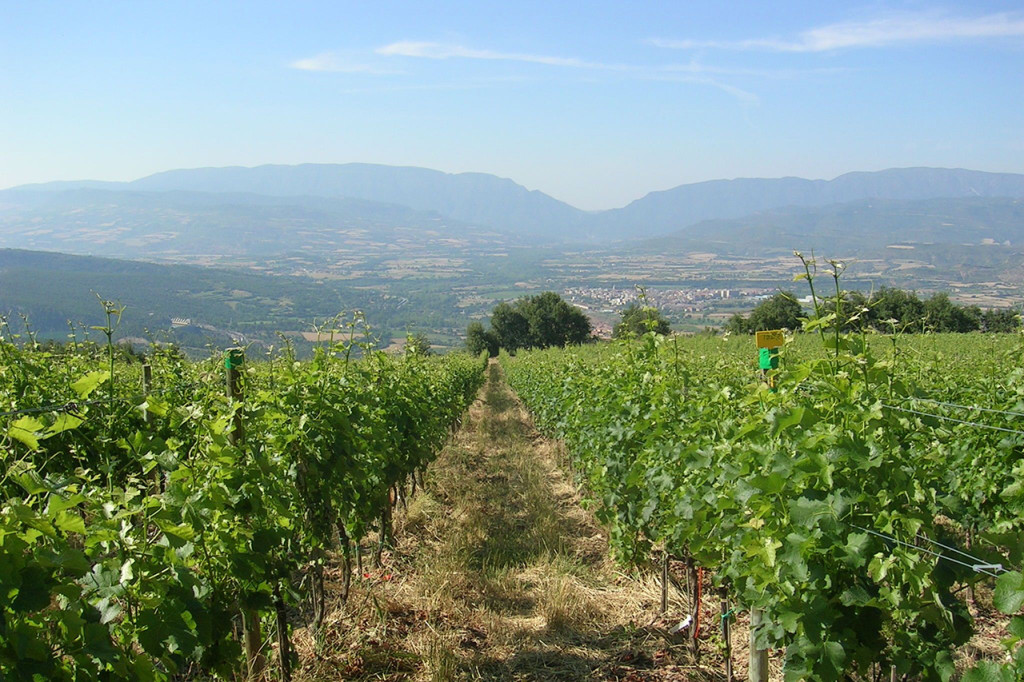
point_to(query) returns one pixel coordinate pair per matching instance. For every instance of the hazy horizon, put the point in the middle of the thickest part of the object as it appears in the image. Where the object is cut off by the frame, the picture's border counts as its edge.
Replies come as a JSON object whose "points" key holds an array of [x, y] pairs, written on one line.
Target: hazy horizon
{"points": [[595, 106], [651, 191]]}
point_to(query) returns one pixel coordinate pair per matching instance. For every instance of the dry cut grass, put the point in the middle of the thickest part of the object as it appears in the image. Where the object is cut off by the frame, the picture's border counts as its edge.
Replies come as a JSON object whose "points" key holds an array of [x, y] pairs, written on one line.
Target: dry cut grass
{"points": [[499, 574]]}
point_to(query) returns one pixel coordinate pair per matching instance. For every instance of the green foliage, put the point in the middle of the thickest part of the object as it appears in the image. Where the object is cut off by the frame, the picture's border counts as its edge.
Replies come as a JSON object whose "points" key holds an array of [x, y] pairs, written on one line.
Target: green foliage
{"points": [[1007, 320], [136, 528], [638, 319], [806, 501], [851, 309], [889, 309], [510, 326], [738, 324], [553, 322], [1008, 598], [781, 311], [480, 340], [894, 309], [942, 315], [539, 321], [418, 344]]}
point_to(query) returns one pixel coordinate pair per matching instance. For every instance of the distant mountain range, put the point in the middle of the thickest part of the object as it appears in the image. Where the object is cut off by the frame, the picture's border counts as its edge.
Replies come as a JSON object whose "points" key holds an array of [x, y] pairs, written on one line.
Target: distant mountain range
{"points": [[148, 224], [860, 226], [375, 197], [677, 208], [476, 198]]}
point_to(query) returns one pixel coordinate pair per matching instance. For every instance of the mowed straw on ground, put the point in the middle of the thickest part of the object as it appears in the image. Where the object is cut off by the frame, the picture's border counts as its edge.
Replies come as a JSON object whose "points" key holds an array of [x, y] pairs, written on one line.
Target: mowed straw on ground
{"points": [[499, 573]]}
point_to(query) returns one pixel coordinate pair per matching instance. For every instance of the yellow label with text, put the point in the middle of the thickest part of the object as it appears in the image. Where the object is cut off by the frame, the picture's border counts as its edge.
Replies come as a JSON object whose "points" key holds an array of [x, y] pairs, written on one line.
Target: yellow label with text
{"points": [[770, 339]]}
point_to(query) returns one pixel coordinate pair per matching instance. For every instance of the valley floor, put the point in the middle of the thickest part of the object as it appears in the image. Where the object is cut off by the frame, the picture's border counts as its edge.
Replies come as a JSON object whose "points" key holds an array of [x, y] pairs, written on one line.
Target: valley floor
{"points": [[500, 574]]}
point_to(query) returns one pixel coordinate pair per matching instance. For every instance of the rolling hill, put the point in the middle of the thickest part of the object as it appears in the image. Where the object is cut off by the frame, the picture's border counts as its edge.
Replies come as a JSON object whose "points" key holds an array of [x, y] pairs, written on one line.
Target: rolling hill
{"points": [[674, 209], [324, 213], [864, 225], [477, 198], [490, 203], [54, 288], [224, 306], [181, 224]]}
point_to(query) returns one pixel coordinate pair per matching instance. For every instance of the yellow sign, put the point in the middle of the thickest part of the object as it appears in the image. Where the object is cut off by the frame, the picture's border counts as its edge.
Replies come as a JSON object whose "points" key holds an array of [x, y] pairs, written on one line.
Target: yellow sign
{"points": [[770, 339]]}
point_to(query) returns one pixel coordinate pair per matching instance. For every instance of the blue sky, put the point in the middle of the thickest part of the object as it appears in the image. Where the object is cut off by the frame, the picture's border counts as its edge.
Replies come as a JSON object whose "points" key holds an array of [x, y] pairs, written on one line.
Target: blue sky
{"points": [[594, 103]]}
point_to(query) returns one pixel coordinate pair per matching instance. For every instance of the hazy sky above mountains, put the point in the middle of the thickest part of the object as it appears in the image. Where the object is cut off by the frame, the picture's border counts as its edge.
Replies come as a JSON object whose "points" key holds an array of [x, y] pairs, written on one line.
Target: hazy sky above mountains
{"points": [[593, 103]]}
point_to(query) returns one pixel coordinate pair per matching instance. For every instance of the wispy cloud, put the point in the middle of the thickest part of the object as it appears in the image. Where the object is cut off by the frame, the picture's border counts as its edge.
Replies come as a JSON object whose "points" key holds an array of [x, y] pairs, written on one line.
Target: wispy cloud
{"points": [[428, 50], [891, 30], [742, 95], [676, 73], [694, 67], [333, 62], [692, 72], [467, 84]]}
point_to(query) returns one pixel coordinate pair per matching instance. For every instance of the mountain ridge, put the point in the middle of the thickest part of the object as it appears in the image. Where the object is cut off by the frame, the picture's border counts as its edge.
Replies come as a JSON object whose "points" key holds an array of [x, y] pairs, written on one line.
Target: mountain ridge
{"points": [[676, 208], [490, 201], [477, 198], [862, 225]]}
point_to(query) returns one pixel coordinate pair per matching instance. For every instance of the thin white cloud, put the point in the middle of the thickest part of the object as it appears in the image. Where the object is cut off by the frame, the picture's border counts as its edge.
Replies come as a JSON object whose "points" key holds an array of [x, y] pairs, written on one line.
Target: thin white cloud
{"points": [[332, 62], [694, 67], [892, 30], [469, 84], [692, 72], [428, 50], [742, 95]]}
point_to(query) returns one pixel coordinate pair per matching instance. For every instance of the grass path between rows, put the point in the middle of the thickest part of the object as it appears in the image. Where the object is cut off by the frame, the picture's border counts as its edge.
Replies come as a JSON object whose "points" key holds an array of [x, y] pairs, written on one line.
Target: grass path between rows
{"points": [[498, 574]]}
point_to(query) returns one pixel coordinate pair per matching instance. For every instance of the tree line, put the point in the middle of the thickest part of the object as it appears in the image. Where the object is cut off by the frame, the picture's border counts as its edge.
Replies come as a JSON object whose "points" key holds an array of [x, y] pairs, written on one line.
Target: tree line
{"points": [[888, 309], [547, 320], [531, 322]]}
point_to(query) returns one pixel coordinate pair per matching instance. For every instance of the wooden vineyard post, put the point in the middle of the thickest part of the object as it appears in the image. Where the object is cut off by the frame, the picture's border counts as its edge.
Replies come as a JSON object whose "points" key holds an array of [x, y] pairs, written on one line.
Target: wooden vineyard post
{"points": [[696, 576], [252, 639], [768, 343], [726, 635], [664, 581], [385, 539], [284, 645], [758, 671], [253, 642]]}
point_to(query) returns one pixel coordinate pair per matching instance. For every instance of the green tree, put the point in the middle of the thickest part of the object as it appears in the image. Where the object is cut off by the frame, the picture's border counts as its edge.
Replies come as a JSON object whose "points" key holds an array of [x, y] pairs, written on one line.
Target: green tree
{"points": [[738, 324], [479, 339], [638, 319], [942, 315], [510, 327], [890, 304], [531, 322], [781, 311], [553, 322], [1001, 321], [853, 313], [417, 344]]}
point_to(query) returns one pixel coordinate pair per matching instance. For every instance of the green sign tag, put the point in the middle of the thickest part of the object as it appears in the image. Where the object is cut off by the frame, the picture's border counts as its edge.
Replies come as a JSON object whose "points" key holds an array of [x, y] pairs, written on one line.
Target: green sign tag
{"points": [[768, 358], [234, 358]]}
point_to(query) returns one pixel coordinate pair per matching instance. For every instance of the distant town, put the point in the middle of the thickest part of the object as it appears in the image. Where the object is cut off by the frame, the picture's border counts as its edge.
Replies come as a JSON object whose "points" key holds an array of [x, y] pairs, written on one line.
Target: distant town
{"points": [[613, 299]]}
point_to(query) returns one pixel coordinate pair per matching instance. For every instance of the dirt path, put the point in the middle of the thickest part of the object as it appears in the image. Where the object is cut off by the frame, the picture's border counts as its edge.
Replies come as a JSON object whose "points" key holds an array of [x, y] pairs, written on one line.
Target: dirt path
{"points": [[499, 574]]}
